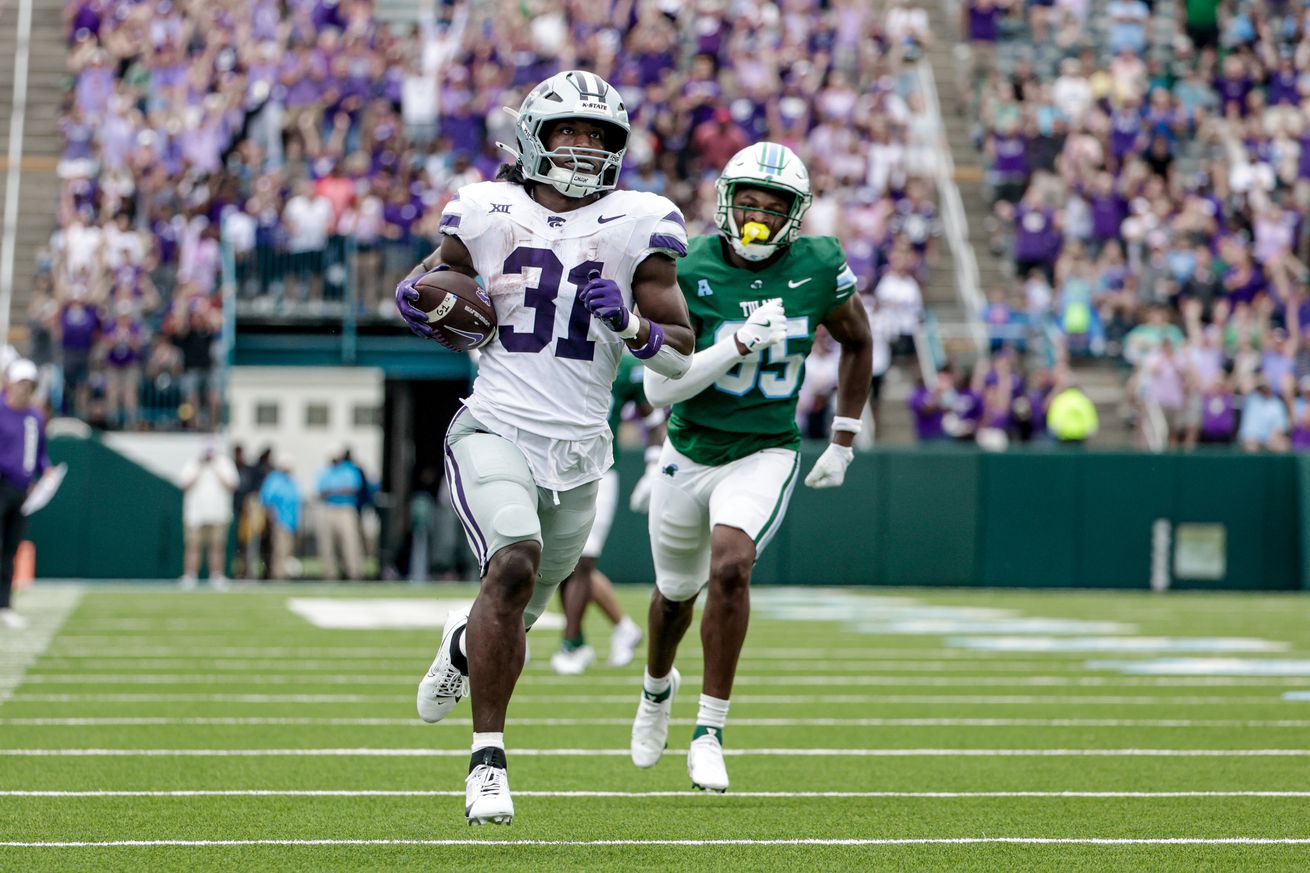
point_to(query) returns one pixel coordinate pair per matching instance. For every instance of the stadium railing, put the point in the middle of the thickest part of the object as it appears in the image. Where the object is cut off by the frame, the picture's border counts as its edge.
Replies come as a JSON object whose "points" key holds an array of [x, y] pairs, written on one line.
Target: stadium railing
{"points": [[955, 224]]}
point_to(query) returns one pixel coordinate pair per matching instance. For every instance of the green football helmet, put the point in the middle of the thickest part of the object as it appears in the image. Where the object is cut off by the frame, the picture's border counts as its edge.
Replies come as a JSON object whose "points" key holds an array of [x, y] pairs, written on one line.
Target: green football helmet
{"points": [[763, 165]]}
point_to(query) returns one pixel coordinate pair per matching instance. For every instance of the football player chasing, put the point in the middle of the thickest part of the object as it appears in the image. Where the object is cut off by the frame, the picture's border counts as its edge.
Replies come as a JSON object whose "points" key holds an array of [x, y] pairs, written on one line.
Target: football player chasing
{"points": [[565, 260], [757, 291]]}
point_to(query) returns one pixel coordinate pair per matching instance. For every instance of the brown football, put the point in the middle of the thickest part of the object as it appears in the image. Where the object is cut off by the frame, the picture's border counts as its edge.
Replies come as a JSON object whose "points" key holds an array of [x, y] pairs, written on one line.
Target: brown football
{"points": [[458, 308]]}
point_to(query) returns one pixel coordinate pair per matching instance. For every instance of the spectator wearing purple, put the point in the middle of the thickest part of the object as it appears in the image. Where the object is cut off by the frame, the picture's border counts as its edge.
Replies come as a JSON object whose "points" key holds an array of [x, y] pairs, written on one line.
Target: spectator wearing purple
{"points": [[1007, 151], [929, 405], [78, 329], [1219, 406], [1301, 416], [1244, 280], [980, 22], [122, 342], [1037, 235]]}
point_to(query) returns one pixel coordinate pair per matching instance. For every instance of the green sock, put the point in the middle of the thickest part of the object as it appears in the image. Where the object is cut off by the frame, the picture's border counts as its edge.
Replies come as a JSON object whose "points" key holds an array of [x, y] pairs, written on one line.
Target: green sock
{"points": [[702, 730]]}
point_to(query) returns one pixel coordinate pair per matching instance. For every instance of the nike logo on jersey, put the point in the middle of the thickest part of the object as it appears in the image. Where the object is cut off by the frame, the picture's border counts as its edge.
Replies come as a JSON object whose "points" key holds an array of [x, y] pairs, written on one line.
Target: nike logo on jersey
{"points": [[606, 219], [792, 284]]}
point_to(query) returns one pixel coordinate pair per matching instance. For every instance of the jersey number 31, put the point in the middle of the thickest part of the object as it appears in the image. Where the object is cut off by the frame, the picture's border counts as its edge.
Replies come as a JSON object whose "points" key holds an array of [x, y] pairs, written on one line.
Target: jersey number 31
{"points": [[773, 384]]}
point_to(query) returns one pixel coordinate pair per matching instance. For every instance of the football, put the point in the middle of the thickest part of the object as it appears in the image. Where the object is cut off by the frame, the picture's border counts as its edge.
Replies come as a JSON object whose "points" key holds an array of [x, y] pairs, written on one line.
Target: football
{"points": [[457, 307]]}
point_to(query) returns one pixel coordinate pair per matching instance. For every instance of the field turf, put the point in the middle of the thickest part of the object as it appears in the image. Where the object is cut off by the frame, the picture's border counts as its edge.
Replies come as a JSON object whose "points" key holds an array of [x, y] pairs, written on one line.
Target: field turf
{"points": [[144, 728]]}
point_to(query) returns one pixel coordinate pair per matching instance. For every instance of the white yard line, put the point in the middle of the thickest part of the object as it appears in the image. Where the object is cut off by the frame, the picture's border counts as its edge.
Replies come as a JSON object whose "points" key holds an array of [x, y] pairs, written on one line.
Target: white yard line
{"points": [[257, 721], [614, 753], [77, 646], [801, 679], [342, 666], [627, 699], [909, 795], [903, 841]]}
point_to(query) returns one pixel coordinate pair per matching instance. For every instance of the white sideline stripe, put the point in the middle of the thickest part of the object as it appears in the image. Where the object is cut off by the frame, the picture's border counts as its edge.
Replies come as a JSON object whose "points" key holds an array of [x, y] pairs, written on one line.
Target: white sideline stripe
{"points": [[46, 610], [627, 699], [613, 753], [800, 679], [895, 841], [257, 721], [911, 795]]}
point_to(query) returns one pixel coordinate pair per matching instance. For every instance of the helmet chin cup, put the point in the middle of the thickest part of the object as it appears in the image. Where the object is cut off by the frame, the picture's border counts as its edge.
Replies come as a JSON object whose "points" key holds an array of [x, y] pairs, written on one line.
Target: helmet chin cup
{"points": [[571, 183], [754, 251]]}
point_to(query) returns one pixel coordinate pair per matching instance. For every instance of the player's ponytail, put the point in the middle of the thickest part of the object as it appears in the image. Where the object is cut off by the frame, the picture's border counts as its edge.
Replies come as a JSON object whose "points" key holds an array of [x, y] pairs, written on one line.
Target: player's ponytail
{"points": [[512, 173]]}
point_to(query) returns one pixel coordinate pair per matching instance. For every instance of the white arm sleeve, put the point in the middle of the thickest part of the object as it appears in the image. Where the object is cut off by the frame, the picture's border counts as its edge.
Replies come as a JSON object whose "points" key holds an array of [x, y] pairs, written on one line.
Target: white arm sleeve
{"points": [[707, 365], [668, 362]]}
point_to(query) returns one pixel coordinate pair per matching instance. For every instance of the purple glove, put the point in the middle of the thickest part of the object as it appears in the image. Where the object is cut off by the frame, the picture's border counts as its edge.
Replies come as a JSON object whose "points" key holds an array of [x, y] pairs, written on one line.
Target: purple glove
{"points": [[417, 319], [604, 299]]}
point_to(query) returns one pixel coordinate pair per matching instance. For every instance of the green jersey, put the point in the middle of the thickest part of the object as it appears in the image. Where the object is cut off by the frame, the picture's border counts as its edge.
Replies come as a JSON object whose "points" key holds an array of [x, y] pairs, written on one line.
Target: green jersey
{"points": [[753, 406], [627, 389]]}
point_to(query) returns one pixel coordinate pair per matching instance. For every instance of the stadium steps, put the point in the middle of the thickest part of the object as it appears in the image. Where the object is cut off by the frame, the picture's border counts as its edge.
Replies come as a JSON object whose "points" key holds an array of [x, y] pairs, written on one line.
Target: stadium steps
{"points": [[1102, 381], [48, 78]]}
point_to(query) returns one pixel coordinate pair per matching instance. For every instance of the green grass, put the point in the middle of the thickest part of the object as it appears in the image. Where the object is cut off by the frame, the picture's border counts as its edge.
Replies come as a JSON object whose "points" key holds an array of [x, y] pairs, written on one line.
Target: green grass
{"points": [[149, 668]]}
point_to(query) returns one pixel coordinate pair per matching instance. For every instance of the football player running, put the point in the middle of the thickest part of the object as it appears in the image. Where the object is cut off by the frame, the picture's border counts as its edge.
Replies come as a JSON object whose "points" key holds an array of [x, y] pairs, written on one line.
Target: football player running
{"points": [[565, 260], [757, 292]]}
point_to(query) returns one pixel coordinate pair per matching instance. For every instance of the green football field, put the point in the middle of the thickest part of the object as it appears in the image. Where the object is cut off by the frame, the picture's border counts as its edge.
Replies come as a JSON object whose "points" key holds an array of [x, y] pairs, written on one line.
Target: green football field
{"points": [[143, 728]]}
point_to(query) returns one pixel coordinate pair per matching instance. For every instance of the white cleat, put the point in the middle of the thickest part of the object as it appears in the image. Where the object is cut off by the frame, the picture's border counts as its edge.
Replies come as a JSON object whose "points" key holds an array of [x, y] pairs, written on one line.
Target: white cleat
{"points": [[705, 762], [486, 790], [572, 662], [650, 729], [11, 620], [624, 641], [444, 685]]}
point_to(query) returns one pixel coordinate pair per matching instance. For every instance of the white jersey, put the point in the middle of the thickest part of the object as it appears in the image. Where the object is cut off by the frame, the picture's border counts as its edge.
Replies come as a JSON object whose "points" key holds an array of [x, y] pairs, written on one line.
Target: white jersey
{"points": [[550, 368]]}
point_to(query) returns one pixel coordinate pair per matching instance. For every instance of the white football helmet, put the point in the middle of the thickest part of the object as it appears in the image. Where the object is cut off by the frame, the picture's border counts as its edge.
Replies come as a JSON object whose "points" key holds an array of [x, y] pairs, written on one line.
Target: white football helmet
{"points": [[763, 165], [572, 94]]}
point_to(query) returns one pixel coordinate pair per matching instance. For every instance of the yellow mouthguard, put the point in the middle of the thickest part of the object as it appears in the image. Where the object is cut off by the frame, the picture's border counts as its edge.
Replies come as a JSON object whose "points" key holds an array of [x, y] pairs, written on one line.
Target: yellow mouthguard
{"points": [[754, 231]]}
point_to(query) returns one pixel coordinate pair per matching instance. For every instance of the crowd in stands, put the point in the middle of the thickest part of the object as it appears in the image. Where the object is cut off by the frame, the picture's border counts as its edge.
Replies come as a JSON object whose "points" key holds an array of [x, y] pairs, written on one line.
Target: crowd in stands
{"points": [[312, 148], [1150, 169]]}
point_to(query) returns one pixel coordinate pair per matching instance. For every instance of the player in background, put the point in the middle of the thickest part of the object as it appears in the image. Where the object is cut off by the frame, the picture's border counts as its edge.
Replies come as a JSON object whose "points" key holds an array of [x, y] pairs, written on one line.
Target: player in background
{"points": [[23, 460], [757, 290], [587, 584], [565, 260]]}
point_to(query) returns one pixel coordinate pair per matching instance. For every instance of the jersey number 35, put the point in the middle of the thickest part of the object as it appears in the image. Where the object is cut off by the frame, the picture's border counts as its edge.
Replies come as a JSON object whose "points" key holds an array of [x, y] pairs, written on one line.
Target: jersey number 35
{"points": [[773, 383]]}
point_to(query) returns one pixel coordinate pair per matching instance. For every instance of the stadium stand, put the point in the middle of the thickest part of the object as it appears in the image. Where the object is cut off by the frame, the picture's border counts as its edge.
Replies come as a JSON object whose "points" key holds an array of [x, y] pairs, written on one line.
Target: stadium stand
{"points": [[1147, 169], [310, 159]]}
